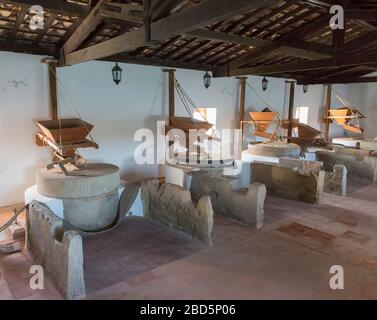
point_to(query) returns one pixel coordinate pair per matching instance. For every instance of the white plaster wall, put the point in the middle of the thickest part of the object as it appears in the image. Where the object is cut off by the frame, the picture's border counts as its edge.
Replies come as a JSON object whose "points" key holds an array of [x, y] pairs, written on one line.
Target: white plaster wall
{"points": [[363, 96], [116, 111], [23, 92]]}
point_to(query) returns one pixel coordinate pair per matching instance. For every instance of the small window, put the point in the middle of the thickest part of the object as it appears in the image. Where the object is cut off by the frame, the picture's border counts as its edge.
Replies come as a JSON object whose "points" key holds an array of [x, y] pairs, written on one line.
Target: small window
{"points": [[302, 114]]}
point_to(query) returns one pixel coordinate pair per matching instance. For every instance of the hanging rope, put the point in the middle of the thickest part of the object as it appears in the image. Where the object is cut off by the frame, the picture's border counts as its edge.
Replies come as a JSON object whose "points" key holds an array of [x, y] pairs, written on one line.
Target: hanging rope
{"points": [[72, 104], [263, 99], [356, 119], [13, 219], [187, 101]]}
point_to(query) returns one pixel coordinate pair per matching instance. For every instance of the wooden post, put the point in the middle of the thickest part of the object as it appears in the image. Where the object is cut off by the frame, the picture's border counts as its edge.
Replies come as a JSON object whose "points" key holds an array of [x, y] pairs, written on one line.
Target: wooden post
{"points": [[53, 98], [327, 112], [291, 107], [242, 98], [171, 92]]}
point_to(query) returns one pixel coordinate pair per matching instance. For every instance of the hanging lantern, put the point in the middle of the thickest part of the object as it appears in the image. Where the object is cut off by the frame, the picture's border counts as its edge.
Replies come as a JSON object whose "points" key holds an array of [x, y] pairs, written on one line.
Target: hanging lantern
{"points": [[306, 88], [117, 74], [264, 84], [207, 80]]}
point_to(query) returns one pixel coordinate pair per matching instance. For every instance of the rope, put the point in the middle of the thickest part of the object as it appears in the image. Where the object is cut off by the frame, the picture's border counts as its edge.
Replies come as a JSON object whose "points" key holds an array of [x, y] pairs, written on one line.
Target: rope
{"points": [[263, 99], [72, 103], [355, 121], [187, 101], [13, 219], [342, 100]]}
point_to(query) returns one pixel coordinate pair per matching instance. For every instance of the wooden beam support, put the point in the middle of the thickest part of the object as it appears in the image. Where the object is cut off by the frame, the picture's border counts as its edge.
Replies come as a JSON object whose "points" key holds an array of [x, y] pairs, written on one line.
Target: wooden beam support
{"points": [[126, 42], [362, 14], [327, 112], [292, 88], [161, 8], [89, 24], [341, 61], [284, 42], [339, 80], [206, 12], [242, 84], [53, 97], [126, 58], [207, 34], [56, 6], [201, 15], [171, 82], [123, 12]]}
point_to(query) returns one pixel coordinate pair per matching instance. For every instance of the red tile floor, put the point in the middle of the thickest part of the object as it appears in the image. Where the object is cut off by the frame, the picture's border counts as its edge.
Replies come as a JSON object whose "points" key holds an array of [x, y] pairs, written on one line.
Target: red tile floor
{"points": [[289, 258]]}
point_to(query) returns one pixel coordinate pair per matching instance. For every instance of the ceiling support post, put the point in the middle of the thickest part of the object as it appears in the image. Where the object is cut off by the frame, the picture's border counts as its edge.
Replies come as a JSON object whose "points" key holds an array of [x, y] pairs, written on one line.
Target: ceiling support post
{"points": [[327, 112], [291, 107]]}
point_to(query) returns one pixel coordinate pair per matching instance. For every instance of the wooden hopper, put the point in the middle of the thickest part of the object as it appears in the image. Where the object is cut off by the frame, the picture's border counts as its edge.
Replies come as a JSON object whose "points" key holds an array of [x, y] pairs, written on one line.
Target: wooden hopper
{"points": [[186, 124], [344, 118], [65, 131], [262, 122]]}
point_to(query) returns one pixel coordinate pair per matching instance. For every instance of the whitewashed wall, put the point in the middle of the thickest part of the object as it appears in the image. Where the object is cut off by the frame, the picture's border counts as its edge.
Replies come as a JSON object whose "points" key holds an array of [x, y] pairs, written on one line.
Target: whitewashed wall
{"points": [[116, 111], [23, 97]]}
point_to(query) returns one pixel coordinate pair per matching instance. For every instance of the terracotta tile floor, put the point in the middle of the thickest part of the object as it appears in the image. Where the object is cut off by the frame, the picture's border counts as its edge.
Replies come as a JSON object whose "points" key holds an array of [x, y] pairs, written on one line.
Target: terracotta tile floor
{"points": [[289, 258]]}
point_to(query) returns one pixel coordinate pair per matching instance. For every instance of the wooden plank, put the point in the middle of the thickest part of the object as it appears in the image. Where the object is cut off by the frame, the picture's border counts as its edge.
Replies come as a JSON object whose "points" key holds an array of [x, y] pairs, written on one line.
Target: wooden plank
{"points": [[203, 14], [86, 27]]}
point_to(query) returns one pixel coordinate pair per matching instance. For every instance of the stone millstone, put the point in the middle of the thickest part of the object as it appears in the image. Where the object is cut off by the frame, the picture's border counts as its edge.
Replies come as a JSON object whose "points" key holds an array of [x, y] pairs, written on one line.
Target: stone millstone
{"points": [[90, 198], [96, 179], [275, 149]]}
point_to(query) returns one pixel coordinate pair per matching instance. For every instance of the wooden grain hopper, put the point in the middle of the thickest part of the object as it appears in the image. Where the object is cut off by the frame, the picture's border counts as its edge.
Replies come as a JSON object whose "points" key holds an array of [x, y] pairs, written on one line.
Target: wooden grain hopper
{"points": [[262, 121], [66, 131], [65, 136], [347, 118]]}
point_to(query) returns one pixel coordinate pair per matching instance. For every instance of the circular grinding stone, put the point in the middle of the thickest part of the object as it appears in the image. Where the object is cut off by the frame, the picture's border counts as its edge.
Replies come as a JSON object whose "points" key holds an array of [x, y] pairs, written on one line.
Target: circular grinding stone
{"points": [[95, 179], [275, 149]]}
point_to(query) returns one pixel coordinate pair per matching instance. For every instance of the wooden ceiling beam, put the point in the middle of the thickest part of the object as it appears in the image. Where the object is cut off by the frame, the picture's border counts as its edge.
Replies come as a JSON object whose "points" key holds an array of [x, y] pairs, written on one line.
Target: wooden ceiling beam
{"points": [[128, 41], [125, 58], [207, 34], [344, 60], [55, 6], [20, 18], [292, 36], [362, 14], [88, 25], [338, 80], [203, 14], [162, 8], [206, 12]]}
